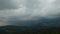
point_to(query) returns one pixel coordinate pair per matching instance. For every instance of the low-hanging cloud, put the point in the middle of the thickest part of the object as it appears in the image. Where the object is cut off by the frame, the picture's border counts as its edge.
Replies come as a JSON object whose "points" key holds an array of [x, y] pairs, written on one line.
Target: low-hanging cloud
{"points": [[16, 11]]}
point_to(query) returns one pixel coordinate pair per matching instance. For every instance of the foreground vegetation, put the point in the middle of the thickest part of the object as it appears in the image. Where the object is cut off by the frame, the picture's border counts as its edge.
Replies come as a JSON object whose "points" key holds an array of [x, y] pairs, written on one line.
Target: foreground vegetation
{"points": [[29, 30]]}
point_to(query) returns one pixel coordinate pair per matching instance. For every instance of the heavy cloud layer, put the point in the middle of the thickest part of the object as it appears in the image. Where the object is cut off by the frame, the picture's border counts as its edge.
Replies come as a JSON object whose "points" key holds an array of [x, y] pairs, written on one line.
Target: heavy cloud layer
{"points": [[14, 12]]}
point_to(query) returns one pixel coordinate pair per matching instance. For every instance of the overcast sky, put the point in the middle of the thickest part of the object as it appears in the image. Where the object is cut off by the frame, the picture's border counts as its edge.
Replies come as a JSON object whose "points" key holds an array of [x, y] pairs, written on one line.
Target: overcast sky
{"points": [[28, 10]]}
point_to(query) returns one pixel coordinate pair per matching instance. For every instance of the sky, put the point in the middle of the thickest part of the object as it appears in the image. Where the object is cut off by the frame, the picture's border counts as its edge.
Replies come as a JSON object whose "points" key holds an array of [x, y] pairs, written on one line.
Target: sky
{"points": [[12, 12]]}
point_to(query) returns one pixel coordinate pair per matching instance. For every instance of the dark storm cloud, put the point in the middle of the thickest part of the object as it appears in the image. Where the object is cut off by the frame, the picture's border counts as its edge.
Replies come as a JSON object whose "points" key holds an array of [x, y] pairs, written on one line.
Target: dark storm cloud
{"points": [[32, 12]]}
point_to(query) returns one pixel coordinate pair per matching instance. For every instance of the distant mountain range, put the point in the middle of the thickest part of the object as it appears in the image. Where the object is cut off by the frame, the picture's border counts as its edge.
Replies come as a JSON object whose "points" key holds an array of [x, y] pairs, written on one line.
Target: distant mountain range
{"points": [[40, 22], [32, 25]]}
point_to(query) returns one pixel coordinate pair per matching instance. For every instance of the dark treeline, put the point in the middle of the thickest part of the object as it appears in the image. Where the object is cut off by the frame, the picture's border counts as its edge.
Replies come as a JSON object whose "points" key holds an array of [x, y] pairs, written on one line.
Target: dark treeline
{"points": [[29, 30]]}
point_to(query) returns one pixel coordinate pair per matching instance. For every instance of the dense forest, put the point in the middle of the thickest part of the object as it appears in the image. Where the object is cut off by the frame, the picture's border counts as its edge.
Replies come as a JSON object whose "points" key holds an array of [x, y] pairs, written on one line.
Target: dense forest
{"points": [[29, 30]]}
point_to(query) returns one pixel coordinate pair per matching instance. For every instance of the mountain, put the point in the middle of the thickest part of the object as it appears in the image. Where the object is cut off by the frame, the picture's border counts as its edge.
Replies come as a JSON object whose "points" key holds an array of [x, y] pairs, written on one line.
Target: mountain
{"points": [[40, 26], [39, 22]]}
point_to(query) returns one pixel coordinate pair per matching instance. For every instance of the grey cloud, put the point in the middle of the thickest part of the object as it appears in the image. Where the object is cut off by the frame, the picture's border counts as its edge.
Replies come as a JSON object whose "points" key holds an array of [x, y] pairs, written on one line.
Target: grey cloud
{"points": [[31, 12], [8, 4]]}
